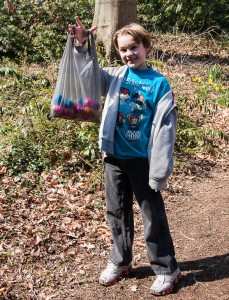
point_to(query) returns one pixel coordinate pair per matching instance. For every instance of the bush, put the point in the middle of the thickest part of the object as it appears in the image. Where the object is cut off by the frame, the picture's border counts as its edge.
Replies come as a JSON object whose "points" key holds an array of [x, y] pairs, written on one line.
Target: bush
{"points": [[36, 30], [182, 15]]}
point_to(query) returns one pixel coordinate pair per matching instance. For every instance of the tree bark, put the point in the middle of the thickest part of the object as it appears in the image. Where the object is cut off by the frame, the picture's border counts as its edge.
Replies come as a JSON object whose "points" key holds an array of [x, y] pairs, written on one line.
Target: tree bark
{"points": [[111, 15]]}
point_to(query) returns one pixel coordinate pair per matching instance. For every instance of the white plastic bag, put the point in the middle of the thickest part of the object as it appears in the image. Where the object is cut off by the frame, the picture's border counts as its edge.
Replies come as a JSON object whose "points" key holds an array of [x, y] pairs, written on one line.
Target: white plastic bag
{"points": [[77, 94]]}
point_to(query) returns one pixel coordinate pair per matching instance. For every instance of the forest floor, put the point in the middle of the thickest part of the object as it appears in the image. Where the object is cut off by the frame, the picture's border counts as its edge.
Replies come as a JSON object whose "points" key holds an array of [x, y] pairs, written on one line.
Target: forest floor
{"points": [[55, 239]]}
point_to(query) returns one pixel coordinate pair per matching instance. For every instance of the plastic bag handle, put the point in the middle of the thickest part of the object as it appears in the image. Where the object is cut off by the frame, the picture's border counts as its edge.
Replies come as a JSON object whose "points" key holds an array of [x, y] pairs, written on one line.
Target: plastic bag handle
{"points": [[90, 41], [91, 44]]}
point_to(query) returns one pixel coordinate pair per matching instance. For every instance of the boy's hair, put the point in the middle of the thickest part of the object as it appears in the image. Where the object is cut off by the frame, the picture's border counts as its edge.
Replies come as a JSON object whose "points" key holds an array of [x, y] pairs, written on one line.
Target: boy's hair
{"points": [[139, 34]]}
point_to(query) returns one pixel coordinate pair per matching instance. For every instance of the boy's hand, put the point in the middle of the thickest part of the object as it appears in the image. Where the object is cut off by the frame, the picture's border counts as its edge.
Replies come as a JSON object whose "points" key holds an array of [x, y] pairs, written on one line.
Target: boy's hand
{"points": [[78, 32]]}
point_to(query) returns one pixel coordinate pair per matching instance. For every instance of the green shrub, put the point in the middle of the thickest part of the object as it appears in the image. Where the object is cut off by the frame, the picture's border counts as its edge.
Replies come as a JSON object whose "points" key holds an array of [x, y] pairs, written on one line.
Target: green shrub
{"points": [[37, 30], [182, 15]]}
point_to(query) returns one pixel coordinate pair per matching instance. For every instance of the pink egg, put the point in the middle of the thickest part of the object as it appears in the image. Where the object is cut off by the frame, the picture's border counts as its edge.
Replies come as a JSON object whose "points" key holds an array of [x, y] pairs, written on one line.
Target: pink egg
{"points": [[89, 102], [67, 112], [57, 110], [79, 107]]}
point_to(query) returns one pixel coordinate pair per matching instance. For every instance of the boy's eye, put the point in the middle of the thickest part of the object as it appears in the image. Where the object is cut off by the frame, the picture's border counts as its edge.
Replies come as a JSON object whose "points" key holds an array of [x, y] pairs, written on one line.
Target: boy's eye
{"points": [[131, 49]]}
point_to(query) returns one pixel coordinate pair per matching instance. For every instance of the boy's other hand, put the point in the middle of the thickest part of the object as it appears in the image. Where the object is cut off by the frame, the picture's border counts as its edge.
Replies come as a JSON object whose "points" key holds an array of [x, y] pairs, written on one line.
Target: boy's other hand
{"points": [[78, 31]]}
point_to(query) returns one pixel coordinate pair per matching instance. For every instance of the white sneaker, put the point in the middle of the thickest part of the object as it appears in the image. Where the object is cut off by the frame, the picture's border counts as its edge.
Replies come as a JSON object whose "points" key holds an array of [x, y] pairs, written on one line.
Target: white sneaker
{"points": [[112, 273], [163, 284]]}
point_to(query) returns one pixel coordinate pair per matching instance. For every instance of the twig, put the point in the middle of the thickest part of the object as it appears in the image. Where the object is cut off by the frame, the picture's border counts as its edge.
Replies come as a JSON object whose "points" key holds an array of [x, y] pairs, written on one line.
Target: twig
{"points": [[145, 286], [192, 239], [10, 7], [86, 162], [72, 236], [87, 280], [197, 283]]}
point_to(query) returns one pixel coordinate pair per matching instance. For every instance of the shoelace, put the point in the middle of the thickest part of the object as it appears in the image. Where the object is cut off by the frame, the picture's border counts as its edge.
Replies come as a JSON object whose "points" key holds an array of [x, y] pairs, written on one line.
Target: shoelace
{"points": [[111, 267], [161, 278], [164, 278]]}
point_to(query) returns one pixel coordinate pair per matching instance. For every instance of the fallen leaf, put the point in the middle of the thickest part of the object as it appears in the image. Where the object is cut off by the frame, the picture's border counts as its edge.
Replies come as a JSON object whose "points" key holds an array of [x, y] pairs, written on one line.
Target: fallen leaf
{"points": [[140, 244], [52, 199], [38, 239], [2, 290], [102, 228], [3, 170], [87, 245], [67, 220], [52, 183], [134, 288]]}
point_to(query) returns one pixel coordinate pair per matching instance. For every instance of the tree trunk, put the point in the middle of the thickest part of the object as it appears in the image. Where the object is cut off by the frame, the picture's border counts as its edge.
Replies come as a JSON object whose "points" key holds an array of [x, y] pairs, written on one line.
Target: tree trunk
{"points": [[111, 15]]}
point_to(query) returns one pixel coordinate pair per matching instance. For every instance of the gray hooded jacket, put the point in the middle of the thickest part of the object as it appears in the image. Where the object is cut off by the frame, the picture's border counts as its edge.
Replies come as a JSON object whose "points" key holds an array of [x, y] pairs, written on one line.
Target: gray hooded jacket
{"points": [[163, 132]]}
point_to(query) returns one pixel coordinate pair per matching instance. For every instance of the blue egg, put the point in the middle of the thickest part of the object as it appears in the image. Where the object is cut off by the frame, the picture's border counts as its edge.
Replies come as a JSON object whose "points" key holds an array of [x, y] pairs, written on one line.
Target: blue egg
{"points": [[57, 100], [67, 103], [80, 101]]}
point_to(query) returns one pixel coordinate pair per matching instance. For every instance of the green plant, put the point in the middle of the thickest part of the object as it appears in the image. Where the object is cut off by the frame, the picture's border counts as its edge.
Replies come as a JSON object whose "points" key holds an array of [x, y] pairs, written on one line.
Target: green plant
{"points": [[209, 94], [215, 73], [155, 63], [212, 86], [36, 31], [191, 138], [185, 16], [24, 155]]}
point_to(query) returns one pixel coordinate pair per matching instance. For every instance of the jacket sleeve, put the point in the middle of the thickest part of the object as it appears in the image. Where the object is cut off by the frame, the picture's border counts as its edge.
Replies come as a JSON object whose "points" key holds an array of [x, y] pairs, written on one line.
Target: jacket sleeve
{"points": [[161, 156], [106, 79]]}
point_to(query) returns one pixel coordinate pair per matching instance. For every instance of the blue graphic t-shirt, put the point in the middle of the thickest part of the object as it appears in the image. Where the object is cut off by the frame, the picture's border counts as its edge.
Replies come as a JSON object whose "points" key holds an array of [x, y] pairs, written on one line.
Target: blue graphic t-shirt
{"points": [[139, 93]]}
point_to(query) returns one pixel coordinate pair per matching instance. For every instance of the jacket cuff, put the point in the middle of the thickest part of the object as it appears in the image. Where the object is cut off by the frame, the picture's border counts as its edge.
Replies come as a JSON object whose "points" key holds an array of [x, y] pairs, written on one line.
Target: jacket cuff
{"points": [[157, 185], [80, 48]]}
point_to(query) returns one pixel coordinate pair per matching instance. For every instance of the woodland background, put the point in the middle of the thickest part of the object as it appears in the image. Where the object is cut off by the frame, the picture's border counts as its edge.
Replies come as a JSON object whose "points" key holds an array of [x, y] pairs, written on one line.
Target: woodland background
{"points": [[52, 212]]}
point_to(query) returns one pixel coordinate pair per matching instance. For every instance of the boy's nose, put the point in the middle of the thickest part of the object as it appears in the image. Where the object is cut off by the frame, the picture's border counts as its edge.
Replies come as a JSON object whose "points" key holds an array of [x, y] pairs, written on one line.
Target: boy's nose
{"points": [[129, 52]]}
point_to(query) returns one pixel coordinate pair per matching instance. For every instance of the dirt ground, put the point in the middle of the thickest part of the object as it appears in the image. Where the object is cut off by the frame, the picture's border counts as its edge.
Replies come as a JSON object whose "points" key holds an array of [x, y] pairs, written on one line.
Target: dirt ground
{"points": [[198, 211], [52, 253]]}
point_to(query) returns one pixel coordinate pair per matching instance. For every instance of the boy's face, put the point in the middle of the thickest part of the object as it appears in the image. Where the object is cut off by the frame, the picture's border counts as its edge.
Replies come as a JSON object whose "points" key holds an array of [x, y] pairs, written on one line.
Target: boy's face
{"points": [[132, 54]]}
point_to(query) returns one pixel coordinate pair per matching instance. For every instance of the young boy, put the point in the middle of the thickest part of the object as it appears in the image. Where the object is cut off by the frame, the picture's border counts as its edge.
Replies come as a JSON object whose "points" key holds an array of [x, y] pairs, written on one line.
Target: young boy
{"points": [[137, 135]]}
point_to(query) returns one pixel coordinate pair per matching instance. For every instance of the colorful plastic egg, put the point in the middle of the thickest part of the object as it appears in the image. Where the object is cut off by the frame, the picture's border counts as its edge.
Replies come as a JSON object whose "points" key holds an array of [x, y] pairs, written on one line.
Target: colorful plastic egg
{"points": [[88, 110], [57, 100], [67, 103], [79, 107], [68, 112], [89, 102], [57, 110], [80, 101], [88, 113]]}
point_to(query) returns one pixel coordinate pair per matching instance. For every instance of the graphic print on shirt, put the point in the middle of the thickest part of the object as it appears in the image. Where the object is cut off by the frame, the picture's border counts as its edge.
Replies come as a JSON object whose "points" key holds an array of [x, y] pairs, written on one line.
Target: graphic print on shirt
{"points": [[138, 95], [120, 119], [132, 107], [138, 103], [124, 94], [132, 114], [134, 120]]}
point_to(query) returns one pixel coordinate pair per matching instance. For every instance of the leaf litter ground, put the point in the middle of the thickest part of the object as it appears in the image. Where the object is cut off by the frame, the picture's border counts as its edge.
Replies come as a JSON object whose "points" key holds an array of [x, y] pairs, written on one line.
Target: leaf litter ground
{"points": [[55, 239]]}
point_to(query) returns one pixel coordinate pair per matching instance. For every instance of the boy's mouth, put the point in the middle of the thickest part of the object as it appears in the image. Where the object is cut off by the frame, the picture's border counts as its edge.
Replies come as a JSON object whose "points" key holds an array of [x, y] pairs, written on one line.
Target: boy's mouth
{"points": [[130, 61]]}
